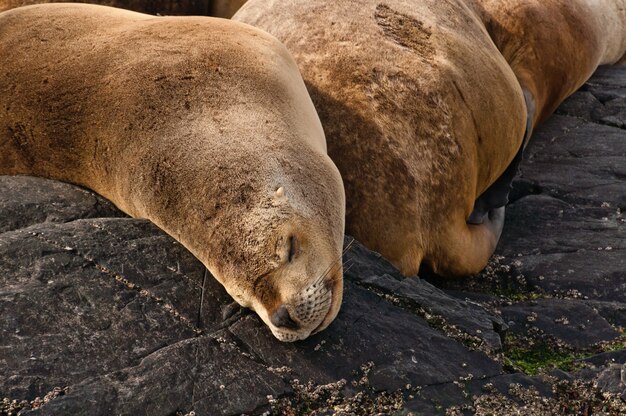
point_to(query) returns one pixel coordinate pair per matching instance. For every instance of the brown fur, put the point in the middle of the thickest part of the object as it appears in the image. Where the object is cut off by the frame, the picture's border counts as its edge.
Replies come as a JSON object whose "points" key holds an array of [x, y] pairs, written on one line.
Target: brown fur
{"points": [[422, 112], [193, 123], [554, 46]]}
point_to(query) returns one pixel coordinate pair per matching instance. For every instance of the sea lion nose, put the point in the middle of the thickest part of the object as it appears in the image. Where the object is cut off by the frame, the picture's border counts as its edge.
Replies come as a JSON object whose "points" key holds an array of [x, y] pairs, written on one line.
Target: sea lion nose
{"points": [[281, 318]]}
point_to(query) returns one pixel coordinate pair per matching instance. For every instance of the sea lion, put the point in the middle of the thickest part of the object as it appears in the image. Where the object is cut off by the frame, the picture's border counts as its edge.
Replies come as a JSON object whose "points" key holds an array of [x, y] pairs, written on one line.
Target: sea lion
{"points": [[426, 115], [201, 125]]}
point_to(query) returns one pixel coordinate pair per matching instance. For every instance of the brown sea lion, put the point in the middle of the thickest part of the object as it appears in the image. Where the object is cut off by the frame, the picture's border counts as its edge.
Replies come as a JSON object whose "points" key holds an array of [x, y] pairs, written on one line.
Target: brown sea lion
{"points": [[554, 46], [202, 125], [426, 106]]}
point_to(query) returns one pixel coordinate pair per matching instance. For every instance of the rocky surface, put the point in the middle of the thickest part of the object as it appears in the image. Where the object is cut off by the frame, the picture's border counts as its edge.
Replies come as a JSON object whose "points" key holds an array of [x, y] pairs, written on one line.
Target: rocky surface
{"points": [[101, 314]]}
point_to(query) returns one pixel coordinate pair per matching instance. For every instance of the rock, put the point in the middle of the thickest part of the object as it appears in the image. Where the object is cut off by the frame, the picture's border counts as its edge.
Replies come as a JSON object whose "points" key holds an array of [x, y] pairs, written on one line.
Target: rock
{"points": [[462, 394], [26, 201], [64, 319], [370, 270], [144, 258], [582, 105], [609, 357], [607, 83], [120, 301], [613, 312], [578, 161], [567, 235], [569, 322], [612, 379], [206, 374]]}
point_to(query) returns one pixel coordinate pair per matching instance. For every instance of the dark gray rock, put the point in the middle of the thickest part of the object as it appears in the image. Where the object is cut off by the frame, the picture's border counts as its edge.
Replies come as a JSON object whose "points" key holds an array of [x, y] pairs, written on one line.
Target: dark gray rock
{"points": [[612, 379], [613, 312], [145, 258], [26, 201], [609, 77], [419, 296], [570, 322], [435, 399], [605, 358], [206, 374], [566, 229], [109, 307], [583, 105], [607, 83], [613, 113], [578, 161], [63, 318]]}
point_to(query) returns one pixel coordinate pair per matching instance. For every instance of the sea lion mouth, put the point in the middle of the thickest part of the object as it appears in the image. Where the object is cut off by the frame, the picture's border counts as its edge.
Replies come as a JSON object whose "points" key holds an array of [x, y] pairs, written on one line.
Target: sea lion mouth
{"points": [[315, 307], [298, 332], [309, 311]]}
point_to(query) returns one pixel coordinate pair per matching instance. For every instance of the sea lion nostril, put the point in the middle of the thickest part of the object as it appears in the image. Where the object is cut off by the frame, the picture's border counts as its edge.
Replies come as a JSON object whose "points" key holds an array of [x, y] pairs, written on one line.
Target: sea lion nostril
{"points": [[282, 319]]}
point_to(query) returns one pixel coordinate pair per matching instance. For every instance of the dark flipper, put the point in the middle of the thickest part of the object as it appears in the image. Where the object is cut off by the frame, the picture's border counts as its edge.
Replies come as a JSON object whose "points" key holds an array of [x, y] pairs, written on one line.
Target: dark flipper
{"points": [[497, 195]]}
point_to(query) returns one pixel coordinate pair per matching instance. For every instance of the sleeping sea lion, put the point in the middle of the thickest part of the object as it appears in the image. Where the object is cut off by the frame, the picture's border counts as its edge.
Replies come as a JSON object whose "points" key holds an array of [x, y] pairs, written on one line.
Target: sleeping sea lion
{"points": [[202, 125], [427, 105]]}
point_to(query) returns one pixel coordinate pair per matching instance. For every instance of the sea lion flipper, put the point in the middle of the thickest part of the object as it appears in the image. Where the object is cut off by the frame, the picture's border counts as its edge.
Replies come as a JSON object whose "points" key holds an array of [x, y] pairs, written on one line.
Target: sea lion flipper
{"points": [[497, 195]]}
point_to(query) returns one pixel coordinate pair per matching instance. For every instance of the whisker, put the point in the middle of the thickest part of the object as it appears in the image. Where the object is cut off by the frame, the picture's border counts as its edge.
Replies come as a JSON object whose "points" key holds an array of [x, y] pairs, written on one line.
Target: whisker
{"points": [[328, 269], [331, 269], [337, 266], [348, 263], [324, 274], [334, 264], [348, 247], [345, 270]]}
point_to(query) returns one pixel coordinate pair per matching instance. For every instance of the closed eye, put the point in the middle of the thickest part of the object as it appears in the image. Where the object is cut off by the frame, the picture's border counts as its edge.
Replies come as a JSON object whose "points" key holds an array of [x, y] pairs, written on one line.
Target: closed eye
{"points": [[293, 248]]}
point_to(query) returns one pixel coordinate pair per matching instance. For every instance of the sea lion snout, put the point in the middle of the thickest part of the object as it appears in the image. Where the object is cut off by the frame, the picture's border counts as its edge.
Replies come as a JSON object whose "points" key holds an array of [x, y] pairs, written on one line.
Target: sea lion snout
{"points": [[306, 313]]}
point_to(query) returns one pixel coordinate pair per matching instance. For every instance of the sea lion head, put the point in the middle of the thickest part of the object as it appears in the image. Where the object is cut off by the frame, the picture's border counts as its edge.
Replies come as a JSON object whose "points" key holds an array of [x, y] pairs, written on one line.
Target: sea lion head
{"points": [[277, 242], [277, 202]]}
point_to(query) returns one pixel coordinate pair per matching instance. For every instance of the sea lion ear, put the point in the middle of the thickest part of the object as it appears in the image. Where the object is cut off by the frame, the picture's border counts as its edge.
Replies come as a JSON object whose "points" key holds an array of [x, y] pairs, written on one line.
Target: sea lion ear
{"points": [[280, 192]]}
